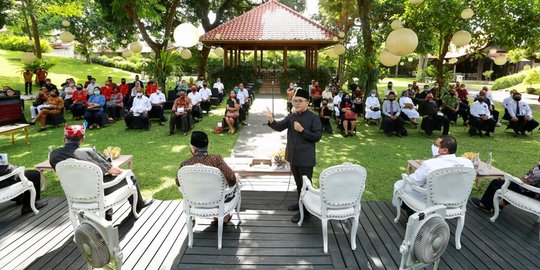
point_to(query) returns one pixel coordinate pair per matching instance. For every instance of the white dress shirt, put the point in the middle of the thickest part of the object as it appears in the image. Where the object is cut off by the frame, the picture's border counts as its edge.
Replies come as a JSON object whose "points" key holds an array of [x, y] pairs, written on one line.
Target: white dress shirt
{"points": [[411, 113], [90, 88], [141, 104], [220, 87], [195, 98], [479, 109], [507, 101], [524, 109], [206, 93], [157, 98], [326, 94], [419, 177], [373, 102], [242, 95], [337, 101]]}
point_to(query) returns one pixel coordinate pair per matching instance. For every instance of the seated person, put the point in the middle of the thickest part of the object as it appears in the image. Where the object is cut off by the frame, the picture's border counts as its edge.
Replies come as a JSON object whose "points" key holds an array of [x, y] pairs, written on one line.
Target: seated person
{"points": [[451, 107], [221, 88], [181, 86], [392, 123], [73, 137], [316, 95], [245, 102], [54, 105], [325, 114], [206, 93], [505, 103], [422, 95], [151, 88], [78, 106], [326, 94], [463, 94], [196, 100], [139, 111], [291, 92], [481, 119], [39, 103], [389, 89], [373, 107], [358, 105], [532, 177], [157, 99], [347, 116], [95, 109], [125, 90], [115, 105], [24, 199], [407, 108], [488, 99], [181, 114], [522, 120], [432, 119], [199, 151], [232, 112], [336, 101], [444, 149]]}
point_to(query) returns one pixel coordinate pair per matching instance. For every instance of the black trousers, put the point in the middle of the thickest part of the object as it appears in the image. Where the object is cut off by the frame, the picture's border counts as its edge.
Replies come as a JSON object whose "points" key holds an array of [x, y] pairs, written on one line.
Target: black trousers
{"points": [[28, 88], [141, 121], [389, 126], [114, 112], [495, 115], [487, 198], [157, 112], [205, 106], [521, 125], [478, 125], [297, 172], [94, 117], [34, 177], [77, 109], [182, 122], [107, 191], [435, 122], [196, 111]]}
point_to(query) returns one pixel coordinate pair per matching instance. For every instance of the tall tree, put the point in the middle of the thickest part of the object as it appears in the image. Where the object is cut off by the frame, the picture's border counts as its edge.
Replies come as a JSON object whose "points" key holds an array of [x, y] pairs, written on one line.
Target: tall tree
{"points": [[5, 6]]}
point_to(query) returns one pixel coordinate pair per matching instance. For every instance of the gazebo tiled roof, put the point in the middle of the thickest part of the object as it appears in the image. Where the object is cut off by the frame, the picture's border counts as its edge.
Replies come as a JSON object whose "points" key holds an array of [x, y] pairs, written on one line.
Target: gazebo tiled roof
{"points": [[270, 22]]}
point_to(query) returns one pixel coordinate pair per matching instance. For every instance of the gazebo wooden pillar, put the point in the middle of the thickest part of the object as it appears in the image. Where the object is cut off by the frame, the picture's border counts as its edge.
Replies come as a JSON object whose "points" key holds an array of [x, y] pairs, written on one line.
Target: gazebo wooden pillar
{"points": [[285, 60]]}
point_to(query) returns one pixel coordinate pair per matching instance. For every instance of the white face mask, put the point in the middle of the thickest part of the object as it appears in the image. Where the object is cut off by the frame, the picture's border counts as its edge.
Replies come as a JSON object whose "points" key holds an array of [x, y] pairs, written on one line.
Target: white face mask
{"points": [[434, 150], [373, 95], [158, 91]]}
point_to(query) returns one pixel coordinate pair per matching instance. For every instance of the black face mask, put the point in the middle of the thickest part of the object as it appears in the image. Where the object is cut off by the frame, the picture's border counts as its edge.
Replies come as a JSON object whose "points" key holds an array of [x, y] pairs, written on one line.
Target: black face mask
{"points": [[481, 100], [452, 94], [79, 89], [517, 99]]}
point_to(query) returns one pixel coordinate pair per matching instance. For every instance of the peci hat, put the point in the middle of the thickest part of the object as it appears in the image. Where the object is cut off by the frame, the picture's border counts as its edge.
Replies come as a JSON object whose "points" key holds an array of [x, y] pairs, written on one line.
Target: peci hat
{"points": [[302, 93], [74, 130], [199, 139]]}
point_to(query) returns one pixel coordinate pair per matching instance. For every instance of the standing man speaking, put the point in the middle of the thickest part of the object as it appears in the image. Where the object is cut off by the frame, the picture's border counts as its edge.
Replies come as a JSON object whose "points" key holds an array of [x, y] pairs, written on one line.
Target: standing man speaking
{"points": [[304, 129]]}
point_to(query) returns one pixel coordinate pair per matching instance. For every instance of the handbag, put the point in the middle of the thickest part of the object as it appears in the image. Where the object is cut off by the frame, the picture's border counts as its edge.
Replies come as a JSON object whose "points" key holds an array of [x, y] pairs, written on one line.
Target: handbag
{"points": [[233, 114], [350, 115], [112, 103]]}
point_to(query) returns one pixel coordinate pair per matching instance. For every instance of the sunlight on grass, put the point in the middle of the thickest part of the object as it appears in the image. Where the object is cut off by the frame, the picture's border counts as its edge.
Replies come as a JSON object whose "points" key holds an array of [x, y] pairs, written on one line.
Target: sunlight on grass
{"points": [[178, 148]]}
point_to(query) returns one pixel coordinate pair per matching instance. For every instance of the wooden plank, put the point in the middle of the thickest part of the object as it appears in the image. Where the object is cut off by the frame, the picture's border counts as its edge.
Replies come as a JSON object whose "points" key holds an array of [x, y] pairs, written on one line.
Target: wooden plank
{"points": [[257, 251], [258, 267], [16, 220], [250, 243], [341, 255], [255, 260], [370, 243], [344, 244]]}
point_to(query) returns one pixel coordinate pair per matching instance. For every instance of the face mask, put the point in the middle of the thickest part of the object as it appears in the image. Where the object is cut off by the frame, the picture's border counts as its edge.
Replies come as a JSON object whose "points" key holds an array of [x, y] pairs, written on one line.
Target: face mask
{"points": [[373, 95], [517, 99], [452, 94], [123, 82], [139, 95], [346, 100], [340, 94], [391, 99], [158, 91], [78, 88], [481, 100], [182, 95], [324, 104], [97, 93], [434, 150], [204, 85]]}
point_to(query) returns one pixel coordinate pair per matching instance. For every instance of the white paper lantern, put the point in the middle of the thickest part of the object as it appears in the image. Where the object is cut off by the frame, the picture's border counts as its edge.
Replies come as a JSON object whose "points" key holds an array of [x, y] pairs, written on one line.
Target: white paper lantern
{"points": [[135, 47], [401, 63], [388, 59], [461, 38], [219, 51], [332, 53], [500, 60], [124, 41], [396, 24], [66, 37], [127, 53], [66, 23], [30, 42], [185, 54], [467, 14], [453, 61], [493, 51], [402, 41], [341, 34], [410, 59], [335, 38], [416, 2], [28, 57], [186, 35], [339, 49]]}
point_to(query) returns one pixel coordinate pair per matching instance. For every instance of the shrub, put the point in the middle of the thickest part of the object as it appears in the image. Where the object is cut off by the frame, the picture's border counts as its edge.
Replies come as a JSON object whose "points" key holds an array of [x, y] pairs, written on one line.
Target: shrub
{"points": [[39, 63], [302, 76], [17, 43], [135, 65], [508, 81], [533, 77], [531, 90]]}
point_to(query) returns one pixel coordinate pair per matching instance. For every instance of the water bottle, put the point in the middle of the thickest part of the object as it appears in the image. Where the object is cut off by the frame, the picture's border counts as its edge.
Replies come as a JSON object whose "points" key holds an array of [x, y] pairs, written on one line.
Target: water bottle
{"points": [[85, 124]]}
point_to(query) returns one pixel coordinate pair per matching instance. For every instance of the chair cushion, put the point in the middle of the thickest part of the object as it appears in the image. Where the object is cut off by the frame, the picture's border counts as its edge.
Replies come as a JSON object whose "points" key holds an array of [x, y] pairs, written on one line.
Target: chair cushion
{"points": [[418, 205], [11, 191], [313, 204], [519, 200], [111, 200], [213, 211]]}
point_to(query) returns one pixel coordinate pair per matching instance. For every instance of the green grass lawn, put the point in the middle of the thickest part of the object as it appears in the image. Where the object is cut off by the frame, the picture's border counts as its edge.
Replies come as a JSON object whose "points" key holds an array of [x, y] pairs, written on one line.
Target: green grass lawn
{"points": [[157, 156]]}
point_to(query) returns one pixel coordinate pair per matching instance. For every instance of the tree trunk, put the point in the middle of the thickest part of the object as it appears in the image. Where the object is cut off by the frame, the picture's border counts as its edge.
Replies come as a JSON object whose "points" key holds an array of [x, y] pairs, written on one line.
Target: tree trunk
{"points": [[445, 42], [202, 62], [364, 7], [35, 33], [480, 69]]}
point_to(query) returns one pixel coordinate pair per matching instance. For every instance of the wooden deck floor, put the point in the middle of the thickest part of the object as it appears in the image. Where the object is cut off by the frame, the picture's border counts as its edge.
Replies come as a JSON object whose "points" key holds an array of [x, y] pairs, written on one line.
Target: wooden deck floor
{"points": [[265, 240]]}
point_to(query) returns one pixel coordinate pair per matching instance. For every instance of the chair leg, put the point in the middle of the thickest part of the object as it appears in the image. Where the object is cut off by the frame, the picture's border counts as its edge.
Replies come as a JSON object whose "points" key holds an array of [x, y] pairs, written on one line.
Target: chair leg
{"points": [[495, 207], [238, 209], [190, 230], [398, 212], [324, 224], [353, 231], [33, 200], [301, 208], [134, 204], [220, 231], [459, 229]]}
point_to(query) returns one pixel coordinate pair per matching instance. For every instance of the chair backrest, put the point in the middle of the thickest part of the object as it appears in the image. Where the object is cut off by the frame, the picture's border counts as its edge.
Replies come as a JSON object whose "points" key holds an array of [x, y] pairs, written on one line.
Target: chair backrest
{"points": [[82, 181], [201, 185], [342, 185], [450, 187]]}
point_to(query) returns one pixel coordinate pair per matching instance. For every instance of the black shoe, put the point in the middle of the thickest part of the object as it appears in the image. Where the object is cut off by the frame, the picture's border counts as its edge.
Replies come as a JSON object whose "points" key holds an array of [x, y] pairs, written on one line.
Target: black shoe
{"points": [[244, 124], [26, 209], [296, 218], [399, 134], [170, 133], [293, 207], [161, 124], [108, 214], [489, 135], [31, 123], [144, 204], [476, 203], [42, 129]]}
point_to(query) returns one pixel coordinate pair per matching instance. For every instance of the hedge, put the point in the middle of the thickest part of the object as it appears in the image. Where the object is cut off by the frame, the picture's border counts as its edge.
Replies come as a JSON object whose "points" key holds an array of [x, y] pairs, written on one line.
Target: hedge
{"points": [[17, 43], [508, 81], [133, 65]]}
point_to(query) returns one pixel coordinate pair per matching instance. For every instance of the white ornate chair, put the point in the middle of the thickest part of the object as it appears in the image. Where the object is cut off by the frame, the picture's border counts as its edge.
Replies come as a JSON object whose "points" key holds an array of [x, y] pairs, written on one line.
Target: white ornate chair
{"points": [[204, 190], [341, 189], [12, 191], [83, 185], [520, 201], [450, 187]]}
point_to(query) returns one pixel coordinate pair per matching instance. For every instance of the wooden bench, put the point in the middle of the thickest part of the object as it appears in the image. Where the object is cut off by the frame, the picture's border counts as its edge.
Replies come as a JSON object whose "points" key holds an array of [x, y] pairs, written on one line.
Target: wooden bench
{"points": [[12, 128]]}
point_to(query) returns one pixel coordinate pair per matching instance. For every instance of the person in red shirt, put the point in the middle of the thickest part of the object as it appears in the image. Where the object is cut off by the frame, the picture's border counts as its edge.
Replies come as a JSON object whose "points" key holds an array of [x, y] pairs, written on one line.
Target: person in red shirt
{"points": [[462, 93], [151, 87], [316, 95], [110, 83], [78, 107], [106, 91], [41, 75], [123, 87]]}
